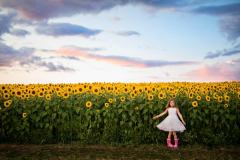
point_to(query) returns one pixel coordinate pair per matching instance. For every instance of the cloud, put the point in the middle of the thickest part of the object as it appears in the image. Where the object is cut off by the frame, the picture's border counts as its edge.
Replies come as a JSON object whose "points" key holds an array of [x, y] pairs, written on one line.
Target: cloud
{"points": [[211, 55], [229, 53], [226, 52], [234, 61], [24, 56], [64, 57], [19, 32], [45, 10], [89, 49], [39, 10], [116, 18], [9, 55], [237, 46], [217, 72], [51, 67], [229, 18], [231, 26], [121, 60], [6, 23], [219, 10], [65, 29], [58, 8], [128, 33]]}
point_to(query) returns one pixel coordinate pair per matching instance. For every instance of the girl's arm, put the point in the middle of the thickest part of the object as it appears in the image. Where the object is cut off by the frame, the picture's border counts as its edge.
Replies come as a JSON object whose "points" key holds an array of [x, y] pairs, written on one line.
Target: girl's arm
{"points": [[157, 116], [180, 115]]}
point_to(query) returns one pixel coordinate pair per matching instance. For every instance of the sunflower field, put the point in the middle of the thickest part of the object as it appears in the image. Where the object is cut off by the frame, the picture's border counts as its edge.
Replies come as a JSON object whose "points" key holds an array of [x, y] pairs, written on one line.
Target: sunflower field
{"points": [[113, 113]]}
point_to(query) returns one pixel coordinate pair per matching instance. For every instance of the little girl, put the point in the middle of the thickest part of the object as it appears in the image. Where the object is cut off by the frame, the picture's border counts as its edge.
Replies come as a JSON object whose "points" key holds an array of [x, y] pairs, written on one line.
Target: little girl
{"points": [[171, 123]]}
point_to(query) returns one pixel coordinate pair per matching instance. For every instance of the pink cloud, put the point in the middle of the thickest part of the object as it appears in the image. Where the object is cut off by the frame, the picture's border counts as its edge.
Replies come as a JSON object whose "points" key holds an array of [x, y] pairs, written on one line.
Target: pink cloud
{"points": [[119, 60], [216, 72], [73, 52], [109, 59]]}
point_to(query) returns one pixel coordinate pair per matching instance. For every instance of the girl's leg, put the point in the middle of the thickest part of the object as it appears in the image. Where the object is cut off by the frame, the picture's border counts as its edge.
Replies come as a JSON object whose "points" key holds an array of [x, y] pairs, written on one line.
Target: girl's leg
{"points": [[175, 140], [169, 144], [169, 134], [175, 135]]}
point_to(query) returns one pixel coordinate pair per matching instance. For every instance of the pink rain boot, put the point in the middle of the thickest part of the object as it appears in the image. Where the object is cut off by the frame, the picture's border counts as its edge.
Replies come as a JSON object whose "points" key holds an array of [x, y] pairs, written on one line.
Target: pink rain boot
{"points": [[169, 144], [176, 143]]}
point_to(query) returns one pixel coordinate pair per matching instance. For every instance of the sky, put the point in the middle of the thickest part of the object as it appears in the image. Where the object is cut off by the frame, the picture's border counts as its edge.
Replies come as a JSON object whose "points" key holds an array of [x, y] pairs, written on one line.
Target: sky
{"points": [[77, 41]]}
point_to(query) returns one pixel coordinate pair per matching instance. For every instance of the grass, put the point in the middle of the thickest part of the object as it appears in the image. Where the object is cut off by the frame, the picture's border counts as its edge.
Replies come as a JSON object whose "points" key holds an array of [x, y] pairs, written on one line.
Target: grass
{"points": [[129, 152]]}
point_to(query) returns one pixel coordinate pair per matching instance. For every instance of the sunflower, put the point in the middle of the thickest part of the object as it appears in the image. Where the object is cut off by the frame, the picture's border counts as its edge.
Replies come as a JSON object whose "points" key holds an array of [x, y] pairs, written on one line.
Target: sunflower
{"points": [[133, 87], [8, 103], [226, 98], [59, 94], [194, 103], [5, 91], [150, 97], [6, 95], [226, 106], [106, 105], [23, 96], [215, 96], [110, 100], [57, 89], [161, 95], [190, 95], [140, 90], [122, 99], [3, 87], [13, 93], [102, 88], [40, 94], [27, 96], [80, 89], [65, 95], [115, 88], [48, 96], [153, 89], [199, 98], [95, 90], [33, 92], [24, 115], [219, 99], [109, 88], [204, 92], [69, 89], [18, 93], [126, 89], [132, 95], [146, 88], [117, 92], [174, 95], [207, 98], [88, 104]]}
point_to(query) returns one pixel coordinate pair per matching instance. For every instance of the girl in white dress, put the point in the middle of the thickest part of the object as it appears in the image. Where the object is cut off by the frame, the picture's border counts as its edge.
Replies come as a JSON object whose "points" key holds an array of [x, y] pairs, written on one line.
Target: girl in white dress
{"points": [[171, 123]]}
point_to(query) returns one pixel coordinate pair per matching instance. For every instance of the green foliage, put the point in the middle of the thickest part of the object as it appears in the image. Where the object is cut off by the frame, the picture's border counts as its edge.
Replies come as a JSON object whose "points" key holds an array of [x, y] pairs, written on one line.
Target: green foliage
{"points": [[66, 120]]}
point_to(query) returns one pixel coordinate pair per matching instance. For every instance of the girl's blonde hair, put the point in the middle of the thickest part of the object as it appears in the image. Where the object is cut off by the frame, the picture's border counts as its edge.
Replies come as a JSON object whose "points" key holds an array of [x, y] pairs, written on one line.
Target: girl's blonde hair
{"points": [[168, 104]]}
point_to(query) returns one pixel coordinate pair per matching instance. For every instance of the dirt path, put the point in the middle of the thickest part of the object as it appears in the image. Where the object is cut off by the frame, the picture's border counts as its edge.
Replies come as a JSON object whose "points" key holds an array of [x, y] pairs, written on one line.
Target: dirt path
{"points": [[102, 152]]}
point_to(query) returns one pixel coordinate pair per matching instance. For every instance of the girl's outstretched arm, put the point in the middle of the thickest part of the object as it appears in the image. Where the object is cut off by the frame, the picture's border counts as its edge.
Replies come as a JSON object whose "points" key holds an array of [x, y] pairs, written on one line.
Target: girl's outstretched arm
{"points": [[157, 116], [180, 115]]}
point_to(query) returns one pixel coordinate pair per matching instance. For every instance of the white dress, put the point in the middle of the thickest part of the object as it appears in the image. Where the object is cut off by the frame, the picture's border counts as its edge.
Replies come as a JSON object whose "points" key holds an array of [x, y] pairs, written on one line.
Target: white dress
{"points": [[171, 122]]}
